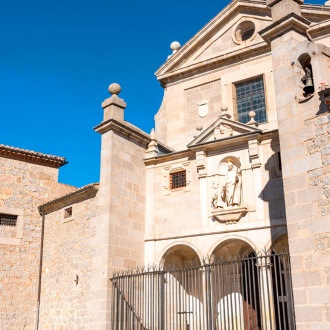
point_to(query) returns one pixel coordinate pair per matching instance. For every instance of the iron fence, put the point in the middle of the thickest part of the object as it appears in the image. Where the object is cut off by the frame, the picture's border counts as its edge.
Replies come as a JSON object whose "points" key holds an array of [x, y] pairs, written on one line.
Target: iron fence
{"points": [[251, 293]]}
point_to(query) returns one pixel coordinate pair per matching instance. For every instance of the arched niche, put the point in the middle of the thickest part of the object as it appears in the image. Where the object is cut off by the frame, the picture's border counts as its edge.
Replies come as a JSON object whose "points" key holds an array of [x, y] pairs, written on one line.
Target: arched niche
{"points": [[223, 164]]}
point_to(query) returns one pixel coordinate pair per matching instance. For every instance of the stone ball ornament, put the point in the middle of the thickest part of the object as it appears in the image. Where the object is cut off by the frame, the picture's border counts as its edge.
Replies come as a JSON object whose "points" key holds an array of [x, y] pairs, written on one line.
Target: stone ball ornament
{"points": [[175, 46], [252, 114], [114, 89]]}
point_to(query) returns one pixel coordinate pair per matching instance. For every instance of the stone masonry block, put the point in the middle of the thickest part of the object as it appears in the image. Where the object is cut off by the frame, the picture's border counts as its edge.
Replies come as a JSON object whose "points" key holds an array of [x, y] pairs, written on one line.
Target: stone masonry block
{"points": [[292, 153], [310, 194], [319, 295], [307, 163], [304, 314], [301, 245], [296, 182], [319, 326]]}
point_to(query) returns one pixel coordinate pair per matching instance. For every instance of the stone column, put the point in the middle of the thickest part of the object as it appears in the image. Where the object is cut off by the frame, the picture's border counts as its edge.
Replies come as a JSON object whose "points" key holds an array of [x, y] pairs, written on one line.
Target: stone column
{"points": [[266, 294]]}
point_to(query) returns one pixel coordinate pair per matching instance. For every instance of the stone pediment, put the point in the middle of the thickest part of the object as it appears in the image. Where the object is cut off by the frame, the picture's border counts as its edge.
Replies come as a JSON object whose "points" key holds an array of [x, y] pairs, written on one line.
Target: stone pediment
{"points": [[223, 129], [232, 33]]}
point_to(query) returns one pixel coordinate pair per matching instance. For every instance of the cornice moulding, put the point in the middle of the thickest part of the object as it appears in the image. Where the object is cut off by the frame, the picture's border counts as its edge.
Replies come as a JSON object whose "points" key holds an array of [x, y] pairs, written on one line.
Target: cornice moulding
{"points": [[126, 129], [287, 23], [217, 62]]}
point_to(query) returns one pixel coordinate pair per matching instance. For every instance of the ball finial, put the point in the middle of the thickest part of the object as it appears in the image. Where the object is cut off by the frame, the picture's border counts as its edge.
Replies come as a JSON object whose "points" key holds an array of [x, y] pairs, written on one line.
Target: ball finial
{"points": [[114, 89], [252, 114], [175, 46]]}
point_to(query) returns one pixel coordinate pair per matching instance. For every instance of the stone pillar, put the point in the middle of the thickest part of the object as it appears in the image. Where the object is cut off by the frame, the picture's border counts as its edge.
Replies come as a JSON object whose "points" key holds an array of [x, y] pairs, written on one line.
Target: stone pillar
{"points": [[266, 294], [120, 228]]}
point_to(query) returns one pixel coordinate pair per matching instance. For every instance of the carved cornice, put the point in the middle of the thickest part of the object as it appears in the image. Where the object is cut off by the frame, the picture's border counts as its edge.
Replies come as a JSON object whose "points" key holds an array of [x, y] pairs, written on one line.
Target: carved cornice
{"points": [[169, 157], [287, 23], [253, 51], [30, 156], [126, 129], [319, 30]]}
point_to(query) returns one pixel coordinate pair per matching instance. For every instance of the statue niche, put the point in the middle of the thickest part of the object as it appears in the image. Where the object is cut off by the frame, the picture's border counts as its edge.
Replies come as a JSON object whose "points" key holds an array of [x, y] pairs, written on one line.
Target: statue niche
{"points": [[229, 195], [226, 199]]}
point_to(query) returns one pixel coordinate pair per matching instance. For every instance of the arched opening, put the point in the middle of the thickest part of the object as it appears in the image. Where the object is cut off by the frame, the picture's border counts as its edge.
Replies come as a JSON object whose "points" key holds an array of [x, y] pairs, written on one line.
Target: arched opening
{"points": [[281, 279], [183, 287], [236, 286], [179, 256], [307, 79]]}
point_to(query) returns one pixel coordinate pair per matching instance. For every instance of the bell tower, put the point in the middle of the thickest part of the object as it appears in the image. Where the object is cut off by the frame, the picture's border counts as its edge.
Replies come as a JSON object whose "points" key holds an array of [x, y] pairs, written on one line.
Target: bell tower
{"points": [[300, 66]]}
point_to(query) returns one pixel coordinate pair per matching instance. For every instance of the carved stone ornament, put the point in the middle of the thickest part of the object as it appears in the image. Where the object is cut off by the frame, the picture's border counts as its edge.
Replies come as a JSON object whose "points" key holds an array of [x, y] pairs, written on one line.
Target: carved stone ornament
{"points": [[226, 198], [229, 216]]}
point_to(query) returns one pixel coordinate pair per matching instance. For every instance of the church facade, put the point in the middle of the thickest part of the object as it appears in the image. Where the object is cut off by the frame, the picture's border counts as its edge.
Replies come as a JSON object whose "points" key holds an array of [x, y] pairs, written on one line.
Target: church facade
{"points": [[236, 169]]}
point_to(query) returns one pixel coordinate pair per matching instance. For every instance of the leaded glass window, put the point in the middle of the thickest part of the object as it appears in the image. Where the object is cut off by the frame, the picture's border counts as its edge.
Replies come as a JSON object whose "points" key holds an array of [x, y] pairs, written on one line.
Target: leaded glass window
{"points": [[250, 96]]}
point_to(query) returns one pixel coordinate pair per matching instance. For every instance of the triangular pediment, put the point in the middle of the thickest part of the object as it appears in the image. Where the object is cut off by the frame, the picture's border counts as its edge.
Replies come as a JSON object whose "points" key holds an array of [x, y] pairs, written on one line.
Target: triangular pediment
{"points": [[220, 39], [223, 129]]}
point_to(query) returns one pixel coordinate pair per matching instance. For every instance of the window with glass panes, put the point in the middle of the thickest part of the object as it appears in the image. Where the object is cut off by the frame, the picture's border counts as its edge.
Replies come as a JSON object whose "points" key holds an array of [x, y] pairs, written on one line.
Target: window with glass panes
{"points": [[250, 96]]}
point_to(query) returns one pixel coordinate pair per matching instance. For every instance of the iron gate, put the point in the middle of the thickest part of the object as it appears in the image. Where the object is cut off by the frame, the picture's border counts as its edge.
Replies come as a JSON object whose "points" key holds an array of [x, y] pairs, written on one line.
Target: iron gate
{"points": [[251, 293]]}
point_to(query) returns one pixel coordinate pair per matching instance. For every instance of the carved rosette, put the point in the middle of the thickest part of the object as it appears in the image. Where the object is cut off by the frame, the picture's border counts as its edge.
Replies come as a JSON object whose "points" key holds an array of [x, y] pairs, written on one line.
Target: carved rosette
{"points": [[229, 215]]}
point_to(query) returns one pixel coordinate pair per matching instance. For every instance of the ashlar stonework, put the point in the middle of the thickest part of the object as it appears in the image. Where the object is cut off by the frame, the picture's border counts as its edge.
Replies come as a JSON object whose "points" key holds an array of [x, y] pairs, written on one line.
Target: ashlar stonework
{"points": [[238, 164]]}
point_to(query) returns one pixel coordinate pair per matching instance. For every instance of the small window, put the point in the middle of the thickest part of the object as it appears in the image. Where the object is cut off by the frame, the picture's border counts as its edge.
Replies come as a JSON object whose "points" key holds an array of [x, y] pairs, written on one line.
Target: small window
{"points": [[250, 96], [277, 169], [178, 179], [68, 213], [8, 220]]}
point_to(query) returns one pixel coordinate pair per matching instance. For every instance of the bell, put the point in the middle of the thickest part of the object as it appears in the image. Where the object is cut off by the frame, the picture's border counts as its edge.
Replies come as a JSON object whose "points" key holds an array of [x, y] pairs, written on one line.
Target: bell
{"points": [[309, 87], [309, 82]]}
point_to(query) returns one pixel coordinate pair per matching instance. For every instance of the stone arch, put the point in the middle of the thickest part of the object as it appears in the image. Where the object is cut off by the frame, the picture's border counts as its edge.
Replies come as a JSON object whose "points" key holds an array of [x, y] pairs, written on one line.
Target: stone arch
{"points": [[179, 253], [232, 246], [280, 236]]}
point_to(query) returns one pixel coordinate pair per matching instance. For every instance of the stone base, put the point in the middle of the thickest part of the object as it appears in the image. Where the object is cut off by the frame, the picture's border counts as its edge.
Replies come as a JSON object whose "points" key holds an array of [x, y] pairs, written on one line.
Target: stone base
{"points": [[230, 215]]}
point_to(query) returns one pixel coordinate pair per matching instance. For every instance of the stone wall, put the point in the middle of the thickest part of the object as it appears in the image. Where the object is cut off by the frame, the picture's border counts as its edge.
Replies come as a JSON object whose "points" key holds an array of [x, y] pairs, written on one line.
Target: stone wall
{"points": [[23, 186], [68, 271]]}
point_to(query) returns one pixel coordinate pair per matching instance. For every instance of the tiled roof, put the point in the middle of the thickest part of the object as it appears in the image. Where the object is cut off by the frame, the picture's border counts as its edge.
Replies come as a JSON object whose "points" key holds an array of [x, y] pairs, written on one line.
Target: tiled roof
{"points": [[31, 156]]}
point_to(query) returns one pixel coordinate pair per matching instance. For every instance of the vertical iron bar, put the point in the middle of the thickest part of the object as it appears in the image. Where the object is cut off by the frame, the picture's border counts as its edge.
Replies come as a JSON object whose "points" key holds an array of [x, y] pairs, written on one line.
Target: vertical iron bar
{"points": [[277, 271]]}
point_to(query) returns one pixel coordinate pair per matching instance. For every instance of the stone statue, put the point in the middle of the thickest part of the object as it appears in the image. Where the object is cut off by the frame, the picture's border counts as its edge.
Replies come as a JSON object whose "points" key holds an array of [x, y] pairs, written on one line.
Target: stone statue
{"points": [[230, 194]]}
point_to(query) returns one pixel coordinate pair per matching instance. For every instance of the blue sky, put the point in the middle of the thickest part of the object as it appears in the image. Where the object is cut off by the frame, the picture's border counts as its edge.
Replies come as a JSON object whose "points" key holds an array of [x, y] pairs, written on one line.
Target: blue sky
{"points": [[57, 59]]}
